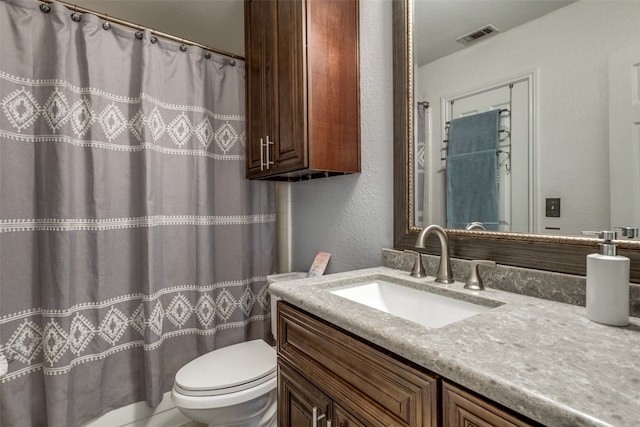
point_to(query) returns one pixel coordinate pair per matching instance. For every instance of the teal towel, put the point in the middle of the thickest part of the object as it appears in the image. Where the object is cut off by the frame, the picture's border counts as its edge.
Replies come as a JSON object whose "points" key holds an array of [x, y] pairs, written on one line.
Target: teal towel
{"points": [[472, 171], [473, 184], [474, 133]]}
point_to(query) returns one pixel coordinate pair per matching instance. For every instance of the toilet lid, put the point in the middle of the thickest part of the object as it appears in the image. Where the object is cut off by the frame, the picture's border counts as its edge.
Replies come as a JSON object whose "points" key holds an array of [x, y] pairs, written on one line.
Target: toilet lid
{"points": [[229, 369]]}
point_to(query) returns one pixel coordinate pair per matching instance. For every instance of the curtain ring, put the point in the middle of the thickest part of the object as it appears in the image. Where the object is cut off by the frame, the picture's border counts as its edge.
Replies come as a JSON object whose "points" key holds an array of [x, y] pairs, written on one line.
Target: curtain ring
{"points": [[45, 8], [183, 47], [232, 62], [75, 16], [139, 33], [207, 55], [153, 39], [106, 25]]}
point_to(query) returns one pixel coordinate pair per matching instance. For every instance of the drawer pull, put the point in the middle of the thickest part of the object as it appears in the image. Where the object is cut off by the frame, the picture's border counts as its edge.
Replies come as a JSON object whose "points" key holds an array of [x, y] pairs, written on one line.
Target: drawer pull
{"points": [[265, 152], [266, 147], [316, 417]]}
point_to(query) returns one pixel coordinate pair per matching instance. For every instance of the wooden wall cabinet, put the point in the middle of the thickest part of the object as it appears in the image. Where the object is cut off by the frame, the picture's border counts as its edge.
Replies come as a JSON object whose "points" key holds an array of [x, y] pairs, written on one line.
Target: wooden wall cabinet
{"points": [[303, 88], [351, 383]]}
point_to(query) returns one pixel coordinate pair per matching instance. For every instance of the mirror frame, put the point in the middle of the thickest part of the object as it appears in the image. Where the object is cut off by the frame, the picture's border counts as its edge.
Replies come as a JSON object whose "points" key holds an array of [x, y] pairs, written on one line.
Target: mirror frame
{"points": [[541, 252]]}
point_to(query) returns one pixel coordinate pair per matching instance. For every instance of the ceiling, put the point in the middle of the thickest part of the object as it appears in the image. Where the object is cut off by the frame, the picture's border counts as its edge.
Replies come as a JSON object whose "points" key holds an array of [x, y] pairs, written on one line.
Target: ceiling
{"points": [[438, 23], [214, 23]]}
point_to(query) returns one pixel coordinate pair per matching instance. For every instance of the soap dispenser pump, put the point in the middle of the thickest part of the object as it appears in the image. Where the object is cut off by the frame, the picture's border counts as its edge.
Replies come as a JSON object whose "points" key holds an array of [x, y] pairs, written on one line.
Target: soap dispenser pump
{"points": [[607, 283]]}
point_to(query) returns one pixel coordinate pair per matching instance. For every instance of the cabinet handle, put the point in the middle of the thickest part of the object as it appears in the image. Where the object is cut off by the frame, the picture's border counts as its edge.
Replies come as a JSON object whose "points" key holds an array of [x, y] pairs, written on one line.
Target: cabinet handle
{"points": [[269, 162], [261, 155], [316, 417]]}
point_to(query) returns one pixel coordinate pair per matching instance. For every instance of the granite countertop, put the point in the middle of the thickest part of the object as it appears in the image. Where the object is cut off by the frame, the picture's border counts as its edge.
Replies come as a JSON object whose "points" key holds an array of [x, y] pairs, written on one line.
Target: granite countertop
{"points": [[543, 359]]}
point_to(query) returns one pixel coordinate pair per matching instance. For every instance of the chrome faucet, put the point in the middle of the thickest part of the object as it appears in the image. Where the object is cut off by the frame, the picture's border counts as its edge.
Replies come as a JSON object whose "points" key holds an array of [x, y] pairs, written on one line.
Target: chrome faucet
{"points": [[475, 226], [444, 274]]}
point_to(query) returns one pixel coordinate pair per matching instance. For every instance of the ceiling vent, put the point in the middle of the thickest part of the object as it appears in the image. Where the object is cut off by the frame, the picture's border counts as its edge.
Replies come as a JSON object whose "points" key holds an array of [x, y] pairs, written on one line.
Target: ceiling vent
{"points": [[479, 34]]}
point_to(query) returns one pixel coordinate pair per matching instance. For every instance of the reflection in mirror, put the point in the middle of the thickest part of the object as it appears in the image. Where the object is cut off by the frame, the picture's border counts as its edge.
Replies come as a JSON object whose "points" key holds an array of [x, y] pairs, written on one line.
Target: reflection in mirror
{"points": [[560, 72]]}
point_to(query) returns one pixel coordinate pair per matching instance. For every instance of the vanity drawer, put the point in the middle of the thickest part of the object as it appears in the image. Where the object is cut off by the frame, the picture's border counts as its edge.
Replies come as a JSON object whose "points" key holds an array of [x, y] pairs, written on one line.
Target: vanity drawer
{"points": [[378, 387], [461, 408]]}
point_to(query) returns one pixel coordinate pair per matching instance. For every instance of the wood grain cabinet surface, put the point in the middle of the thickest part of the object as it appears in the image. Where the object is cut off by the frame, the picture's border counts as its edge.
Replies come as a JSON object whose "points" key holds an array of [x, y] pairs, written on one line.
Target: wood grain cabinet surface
{"points": [[298, 399], [353, 383], [368, 387], [303, 88], [461, 408], [342, 418]]}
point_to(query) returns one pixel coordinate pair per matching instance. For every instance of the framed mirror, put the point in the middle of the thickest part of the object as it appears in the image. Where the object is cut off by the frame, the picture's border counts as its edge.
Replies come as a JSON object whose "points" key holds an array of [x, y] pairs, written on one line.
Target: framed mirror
{"points": [[539, 244]]}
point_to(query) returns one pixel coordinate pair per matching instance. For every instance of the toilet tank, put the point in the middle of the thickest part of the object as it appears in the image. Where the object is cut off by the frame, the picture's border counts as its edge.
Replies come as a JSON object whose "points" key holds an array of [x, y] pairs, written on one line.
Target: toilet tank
{"points": [[283, 277]]}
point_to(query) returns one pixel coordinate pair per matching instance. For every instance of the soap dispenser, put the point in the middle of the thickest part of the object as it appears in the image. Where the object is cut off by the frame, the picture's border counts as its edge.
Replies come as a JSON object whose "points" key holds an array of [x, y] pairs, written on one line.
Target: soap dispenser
{"points": [[607, 283]]}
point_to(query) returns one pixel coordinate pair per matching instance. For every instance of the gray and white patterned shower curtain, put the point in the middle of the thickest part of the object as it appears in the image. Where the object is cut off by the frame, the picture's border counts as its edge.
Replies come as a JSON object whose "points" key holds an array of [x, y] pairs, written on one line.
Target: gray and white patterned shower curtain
{"points": [[420, 163], [130, 240]]}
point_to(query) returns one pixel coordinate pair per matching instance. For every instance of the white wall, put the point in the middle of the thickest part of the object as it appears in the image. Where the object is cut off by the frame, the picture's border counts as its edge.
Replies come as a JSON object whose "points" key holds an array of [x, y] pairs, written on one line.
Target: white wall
{"points": [[569, 49], [352, 216]]}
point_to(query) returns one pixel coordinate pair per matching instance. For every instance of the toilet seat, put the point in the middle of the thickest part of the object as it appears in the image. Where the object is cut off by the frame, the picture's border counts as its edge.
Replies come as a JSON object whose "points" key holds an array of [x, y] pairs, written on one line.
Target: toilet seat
{"points": [[263, 390], [228, 370]]}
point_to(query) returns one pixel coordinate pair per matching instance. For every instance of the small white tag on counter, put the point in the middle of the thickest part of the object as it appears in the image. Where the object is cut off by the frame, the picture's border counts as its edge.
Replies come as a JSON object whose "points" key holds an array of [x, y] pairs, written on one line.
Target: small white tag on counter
{"points": [[319, 264]]}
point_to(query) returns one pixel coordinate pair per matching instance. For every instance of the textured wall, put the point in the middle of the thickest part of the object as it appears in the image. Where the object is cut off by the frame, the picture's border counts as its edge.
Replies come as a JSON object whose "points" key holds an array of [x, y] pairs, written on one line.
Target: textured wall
{"points": [[352, 216]]}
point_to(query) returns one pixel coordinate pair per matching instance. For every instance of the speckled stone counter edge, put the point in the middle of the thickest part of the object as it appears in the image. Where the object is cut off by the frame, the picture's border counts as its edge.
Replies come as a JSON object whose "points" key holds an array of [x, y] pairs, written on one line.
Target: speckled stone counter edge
{"points": [[565, 288]]}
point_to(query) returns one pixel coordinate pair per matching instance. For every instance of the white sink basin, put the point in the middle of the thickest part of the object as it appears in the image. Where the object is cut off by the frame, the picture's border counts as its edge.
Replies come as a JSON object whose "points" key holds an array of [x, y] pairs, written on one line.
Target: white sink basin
{"points": [[422, 307]]}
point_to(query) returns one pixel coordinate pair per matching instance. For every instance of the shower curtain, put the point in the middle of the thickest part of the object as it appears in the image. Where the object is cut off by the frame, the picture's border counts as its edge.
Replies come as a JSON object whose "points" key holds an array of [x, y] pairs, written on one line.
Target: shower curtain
{"points": [[130, 240], [420, 157]]}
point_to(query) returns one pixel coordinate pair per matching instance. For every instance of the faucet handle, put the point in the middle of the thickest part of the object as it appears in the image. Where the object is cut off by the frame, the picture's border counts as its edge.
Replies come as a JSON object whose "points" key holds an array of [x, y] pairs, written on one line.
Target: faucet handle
{"points": [[474, 282], [418, 267], [630, 232]]}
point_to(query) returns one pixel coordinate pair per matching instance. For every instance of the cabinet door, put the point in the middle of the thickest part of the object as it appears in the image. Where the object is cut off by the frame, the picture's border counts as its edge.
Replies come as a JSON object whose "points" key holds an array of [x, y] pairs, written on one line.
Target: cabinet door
{"points": [[309, 111], [290, 147], [297, 399], [461, 408], [380, 389], [261, 69], [333, 79]]}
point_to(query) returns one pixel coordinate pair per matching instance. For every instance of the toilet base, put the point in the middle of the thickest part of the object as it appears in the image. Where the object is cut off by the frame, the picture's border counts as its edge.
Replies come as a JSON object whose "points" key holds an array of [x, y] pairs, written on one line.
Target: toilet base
{"points": [[258, 412]]}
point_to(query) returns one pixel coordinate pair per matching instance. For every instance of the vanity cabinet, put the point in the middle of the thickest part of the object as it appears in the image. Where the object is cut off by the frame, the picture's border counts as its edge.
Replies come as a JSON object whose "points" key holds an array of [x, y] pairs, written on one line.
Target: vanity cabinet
{"points": [[303, 96], [352, 383]]}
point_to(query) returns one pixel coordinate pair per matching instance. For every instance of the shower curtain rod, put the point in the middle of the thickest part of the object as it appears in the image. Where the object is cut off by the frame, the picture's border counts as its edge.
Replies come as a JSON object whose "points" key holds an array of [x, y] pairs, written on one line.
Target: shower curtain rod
{"points": [[111, 19]]}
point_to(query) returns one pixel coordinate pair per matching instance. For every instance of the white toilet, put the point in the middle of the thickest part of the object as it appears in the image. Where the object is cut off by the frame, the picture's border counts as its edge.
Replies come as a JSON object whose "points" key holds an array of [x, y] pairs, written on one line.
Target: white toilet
{"points": [[234, 385]]}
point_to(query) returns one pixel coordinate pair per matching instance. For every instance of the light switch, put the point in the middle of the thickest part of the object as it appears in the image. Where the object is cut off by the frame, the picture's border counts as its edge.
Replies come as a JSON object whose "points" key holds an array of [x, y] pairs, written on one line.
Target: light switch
{"points": [[553, 208]]}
